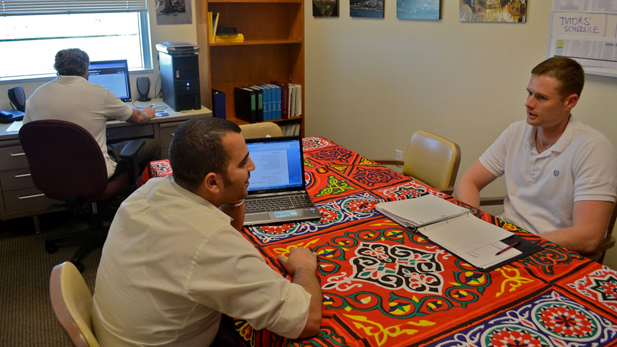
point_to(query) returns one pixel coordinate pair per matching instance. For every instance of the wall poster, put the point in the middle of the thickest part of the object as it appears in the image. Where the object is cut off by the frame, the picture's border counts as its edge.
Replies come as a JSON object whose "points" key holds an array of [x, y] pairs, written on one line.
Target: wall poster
{"points": [[493, 11], [586, 30]]}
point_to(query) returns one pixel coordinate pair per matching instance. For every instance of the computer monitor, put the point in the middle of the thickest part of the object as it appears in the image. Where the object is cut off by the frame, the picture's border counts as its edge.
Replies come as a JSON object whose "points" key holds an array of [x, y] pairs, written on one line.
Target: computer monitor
{"points": [[113, 75]]}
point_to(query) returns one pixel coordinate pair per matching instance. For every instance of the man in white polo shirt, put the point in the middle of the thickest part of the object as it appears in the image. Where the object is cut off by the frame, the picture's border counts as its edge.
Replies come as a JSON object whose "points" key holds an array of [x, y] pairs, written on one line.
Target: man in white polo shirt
{"points": [[561, 175], [70, 97]]}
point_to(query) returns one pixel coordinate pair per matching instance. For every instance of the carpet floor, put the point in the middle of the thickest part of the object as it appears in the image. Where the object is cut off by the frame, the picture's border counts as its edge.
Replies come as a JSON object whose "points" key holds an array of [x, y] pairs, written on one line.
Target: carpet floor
{"points": [[26, 315]]}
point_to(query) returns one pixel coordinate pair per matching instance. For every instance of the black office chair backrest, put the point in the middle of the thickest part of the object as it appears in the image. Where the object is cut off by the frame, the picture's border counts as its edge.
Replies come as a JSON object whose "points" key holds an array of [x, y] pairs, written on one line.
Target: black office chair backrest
{"points": [[65, 160]]}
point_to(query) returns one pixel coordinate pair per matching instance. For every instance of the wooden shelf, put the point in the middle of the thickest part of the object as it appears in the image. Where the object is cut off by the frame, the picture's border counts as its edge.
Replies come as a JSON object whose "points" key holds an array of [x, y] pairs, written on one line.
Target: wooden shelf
{"points": [[257, 42], [273, 49], [241, 121]]}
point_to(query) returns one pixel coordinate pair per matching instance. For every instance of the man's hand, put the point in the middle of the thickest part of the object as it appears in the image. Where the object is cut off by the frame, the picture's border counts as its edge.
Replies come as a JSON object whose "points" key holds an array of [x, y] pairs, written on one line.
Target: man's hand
{"points": [[299, 258], [141, 117], [302, 264]]}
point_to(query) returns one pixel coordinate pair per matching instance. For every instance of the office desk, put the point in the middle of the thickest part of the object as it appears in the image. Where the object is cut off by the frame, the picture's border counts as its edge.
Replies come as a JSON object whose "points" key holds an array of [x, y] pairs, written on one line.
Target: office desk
{"points": [[19, 196], [385, 286]]}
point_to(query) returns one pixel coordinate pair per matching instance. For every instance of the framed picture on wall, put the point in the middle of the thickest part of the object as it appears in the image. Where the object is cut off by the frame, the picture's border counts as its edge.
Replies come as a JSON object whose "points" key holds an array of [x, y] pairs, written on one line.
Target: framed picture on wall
{"points": [[418, 9], [325, 8], [493, 11], [366, 8]]}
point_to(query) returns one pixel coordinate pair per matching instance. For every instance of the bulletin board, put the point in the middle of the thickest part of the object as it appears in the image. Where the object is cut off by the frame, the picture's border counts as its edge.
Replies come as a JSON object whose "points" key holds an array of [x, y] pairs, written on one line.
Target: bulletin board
{"points": [[586, 30]]}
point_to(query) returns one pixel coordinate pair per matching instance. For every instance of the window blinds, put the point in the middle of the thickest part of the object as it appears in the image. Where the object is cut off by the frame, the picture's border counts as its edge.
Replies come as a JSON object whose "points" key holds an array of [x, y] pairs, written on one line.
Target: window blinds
{"points": [[34, 7]]}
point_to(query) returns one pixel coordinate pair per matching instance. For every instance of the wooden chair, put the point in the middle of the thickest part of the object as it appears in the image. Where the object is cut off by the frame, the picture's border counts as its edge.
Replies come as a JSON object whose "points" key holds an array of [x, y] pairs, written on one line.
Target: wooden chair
{"points": [[72, 303], [606, 244], [262, 129], [431, 159]]}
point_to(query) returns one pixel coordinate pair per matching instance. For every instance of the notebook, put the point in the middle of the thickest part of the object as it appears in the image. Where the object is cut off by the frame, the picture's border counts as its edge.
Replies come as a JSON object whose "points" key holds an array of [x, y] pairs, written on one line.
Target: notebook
{"points": [[278, 175]]}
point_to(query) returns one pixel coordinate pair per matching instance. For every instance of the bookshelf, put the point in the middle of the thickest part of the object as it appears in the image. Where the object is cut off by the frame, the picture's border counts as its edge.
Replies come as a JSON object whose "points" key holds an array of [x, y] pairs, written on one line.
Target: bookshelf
{"points": [[273, 48]]}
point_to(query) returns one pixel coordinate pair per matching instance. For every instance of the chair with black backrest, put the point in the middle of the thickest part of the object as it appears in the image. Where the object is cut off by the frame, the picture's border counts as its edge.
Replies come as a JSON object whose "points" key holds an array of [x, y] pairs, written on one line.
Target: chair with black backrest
{"points": [[71, 301], [431, 159], [66, 163]]}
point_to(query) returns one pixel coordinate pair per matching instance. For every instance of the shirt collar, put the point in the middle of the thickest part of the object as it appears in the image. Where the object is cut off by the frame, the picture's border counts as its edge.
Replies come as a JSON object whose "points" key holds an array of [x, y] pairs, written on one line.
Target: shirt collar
{"points": [[561, 144], [198, 199]]}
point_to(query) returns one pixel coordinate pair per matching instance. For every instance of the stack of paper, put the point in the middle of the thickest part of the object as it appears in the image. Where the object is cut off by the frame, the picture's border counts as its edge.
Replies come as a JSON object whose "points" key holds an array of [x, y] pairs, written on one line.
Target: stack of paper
{"points": [[453, 228]]}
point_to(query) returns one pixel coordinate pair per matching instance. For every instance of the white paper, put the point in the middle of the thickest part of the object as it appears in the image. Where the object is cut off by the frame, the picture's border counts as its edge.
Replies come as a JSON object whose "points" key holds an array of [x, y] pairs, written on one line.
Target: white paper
{"points": [[15, 126], [466, 236]]}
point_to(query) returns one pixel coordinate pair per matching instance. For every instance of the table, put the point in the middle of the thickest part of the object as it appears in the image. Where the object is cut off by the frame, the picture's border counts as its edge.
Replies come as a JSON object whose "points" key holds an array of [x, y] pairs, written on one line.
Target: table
{"points": [[385, 286]]}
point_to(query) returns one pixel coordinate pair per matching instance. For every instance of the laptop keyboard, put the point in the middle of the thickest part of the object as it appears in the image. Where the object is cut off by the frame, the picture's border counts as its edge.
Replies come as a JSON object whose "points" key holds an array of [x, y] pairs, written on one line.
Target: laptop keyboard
{"points": [[278, 203]]}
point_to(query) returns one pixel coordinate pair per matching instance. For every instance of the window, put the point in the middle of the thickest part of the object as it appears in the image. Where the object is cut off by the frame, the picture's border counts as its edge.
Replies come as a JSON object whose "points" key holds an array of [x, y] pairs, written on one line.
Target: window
{"points": [[29, 42]]}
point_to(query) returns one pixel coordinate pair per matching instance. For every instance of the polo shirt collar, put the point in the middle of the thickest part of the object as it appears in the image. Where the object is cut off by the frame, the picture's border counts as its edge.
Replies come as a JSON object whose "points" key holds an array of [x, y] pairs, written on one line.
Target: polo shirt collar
{"points": [[70, 79], [561, 144]]}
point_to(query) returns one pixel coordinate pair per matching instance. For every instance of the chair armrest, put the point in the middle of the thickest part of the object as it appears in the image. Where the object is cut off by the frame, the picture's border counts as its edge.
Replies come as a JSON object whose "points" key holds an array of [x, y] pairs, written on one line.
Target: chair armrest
{"points": [[607, 243], [129, 153], [491, 201], [131, 149], [388, 162]]}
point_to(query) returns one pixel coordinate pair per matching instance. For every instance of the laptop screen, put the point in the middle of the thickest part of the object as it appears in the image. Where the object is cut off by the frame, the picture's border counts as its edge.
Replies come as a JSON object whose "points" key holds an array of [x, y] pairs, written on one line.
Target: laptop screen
{"points": [[278, 164], [113, 75]]}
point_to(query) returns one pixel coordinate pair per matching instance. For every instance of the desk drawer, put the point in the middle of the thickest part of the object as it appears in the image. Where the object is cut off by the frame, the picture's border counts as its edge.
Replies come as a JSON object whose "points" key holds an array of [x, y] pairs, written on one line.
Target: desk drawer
{"points": [[16, 179], [166, 133], [26, 199], [129, 132], [12, 158]]}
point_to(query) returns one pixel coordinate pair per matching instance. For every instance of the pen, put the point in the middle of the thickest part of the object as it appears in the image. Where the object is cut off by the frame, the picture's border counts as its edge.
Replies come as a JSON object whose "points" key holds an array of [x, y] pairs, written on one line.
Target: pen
{"points": [[507, 248]]}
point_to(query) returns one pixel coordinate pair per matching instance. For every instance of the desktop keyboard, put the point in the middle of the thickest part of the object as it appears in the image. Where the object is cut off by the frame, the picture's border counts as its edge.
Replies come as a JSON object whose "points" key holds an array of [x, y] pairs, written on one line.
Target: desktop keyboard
{"points": [[278, 203]]}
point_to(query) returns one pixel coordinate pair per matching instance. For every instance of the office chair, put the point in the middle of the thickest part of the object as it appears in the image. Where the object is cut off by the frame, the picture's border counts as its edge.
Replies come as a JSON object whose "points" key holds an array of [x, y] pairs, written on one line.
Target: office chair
{"points": [[263, 129], [66, 163], [72, 303], [431, 159]]}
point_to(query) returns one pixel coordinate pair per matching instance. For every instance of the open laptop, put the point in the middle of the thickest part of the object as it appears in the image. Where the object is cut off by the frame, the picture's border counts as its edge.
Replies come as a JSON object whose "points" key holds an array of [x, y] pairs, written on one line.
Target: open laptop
{"points": [[113, 75], [278, 175]]}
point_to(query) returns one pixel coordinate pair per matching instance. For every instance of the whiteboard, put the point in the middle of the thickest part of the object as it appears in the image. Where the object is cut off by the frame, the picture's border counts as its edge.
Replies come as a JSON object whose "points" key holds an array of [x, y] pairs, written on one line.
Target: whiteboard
{"points": [[586, 30]]}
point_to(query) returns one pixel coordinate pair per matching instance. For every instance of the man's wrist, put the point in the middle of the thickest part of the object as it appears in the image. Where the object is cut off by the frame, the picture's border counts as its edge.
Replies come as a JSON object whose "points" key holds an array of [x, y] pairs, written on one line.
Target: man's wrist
{"points": [[236, 205]]}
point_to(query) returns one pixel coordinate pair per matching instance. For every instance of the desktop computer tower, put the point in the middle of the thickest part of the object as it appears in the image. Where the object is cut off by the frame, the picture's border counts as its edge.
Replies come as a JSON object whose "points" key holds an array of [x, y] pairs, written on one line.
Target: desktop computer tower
{"points": [[180, 81]]}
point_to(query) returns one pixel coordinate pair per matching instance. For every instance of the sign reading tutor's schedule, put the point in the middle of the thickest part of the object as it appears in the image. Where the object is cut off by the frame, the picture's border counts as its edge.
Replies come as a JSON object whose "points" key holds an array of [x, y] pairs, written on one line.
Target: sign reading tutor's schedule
{"points": [[586, 30]]}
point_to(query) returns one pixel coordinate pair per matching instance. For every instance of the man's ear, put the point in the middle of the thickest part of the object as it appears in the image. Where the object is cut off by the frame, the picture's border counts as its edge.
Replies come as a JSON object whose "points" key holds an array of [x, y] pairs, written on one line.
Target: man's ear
{"points": [[571, 101], [213, 182]]}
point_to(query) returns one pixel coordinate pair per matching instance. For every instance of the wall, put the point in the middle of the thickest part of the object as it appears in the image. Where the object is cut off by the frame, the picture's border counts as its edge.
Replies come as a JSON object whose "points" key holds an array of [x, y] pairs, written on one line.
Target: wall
{"points": [[371, 82], [159, 33]]}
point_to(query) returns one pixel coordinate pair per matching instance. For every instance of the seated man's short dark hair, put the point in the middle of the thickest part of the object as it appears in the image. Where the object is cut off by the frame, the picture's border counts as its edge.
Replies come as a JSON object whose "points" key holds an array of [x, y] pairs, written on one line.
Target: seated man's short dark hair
{"points": [[72, 62], [567, 71], [197, 149]]}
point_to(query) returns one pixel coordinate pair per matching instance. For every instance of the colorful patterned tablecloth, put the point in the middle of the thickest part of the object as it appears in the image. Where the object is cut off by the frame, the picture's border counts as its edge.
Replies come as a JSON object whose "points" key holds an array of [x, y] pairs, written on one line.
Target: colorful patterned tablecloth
{"points": [[386, 286]]}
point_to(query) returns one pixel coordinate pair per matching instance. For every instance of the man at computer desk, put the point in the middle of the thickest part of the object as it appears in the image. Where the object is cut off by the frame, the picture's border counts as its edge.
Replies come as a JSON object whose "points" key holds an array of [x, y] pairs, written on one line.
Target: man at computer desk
{"points": [[174, 260], [70, 97]]}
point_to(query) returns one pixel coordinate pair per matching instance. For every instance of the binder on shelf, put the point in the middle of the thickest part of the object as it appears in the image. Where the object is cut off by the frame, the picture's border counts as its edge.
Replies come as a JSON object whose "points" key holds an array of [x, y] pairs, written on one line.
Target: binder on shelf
{"points": [[245, 102], [213, 21], [455, 229], [218, 104], [276, 91], [268, 101], [260, 102], [284, 99], [297, 99]]}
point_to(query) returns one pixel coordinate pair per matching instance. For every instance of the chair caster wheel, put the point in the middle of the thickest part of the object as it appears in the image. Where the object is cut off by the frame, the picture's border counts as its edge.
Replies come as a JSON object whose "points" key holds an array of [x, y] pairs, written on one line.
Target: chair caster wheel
{"points": [[51, 248]]}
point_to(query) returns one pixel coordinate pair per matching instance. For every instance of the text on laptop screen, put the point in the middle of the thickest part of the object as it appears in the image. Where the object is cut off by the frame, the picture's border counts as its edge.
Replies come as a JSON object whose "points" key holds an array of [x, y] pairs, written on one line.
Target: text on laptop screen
{"points": [[277, 165], [113, 75]]}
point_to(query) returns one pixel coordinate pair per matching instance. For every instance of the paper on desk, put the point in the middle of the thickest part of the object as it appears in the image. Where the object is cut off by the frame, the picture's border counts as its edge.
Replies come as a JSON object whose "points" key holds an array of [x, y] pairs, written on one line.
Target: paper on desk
{"points": [[472, 239], [15, 126], [464, 235]]}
